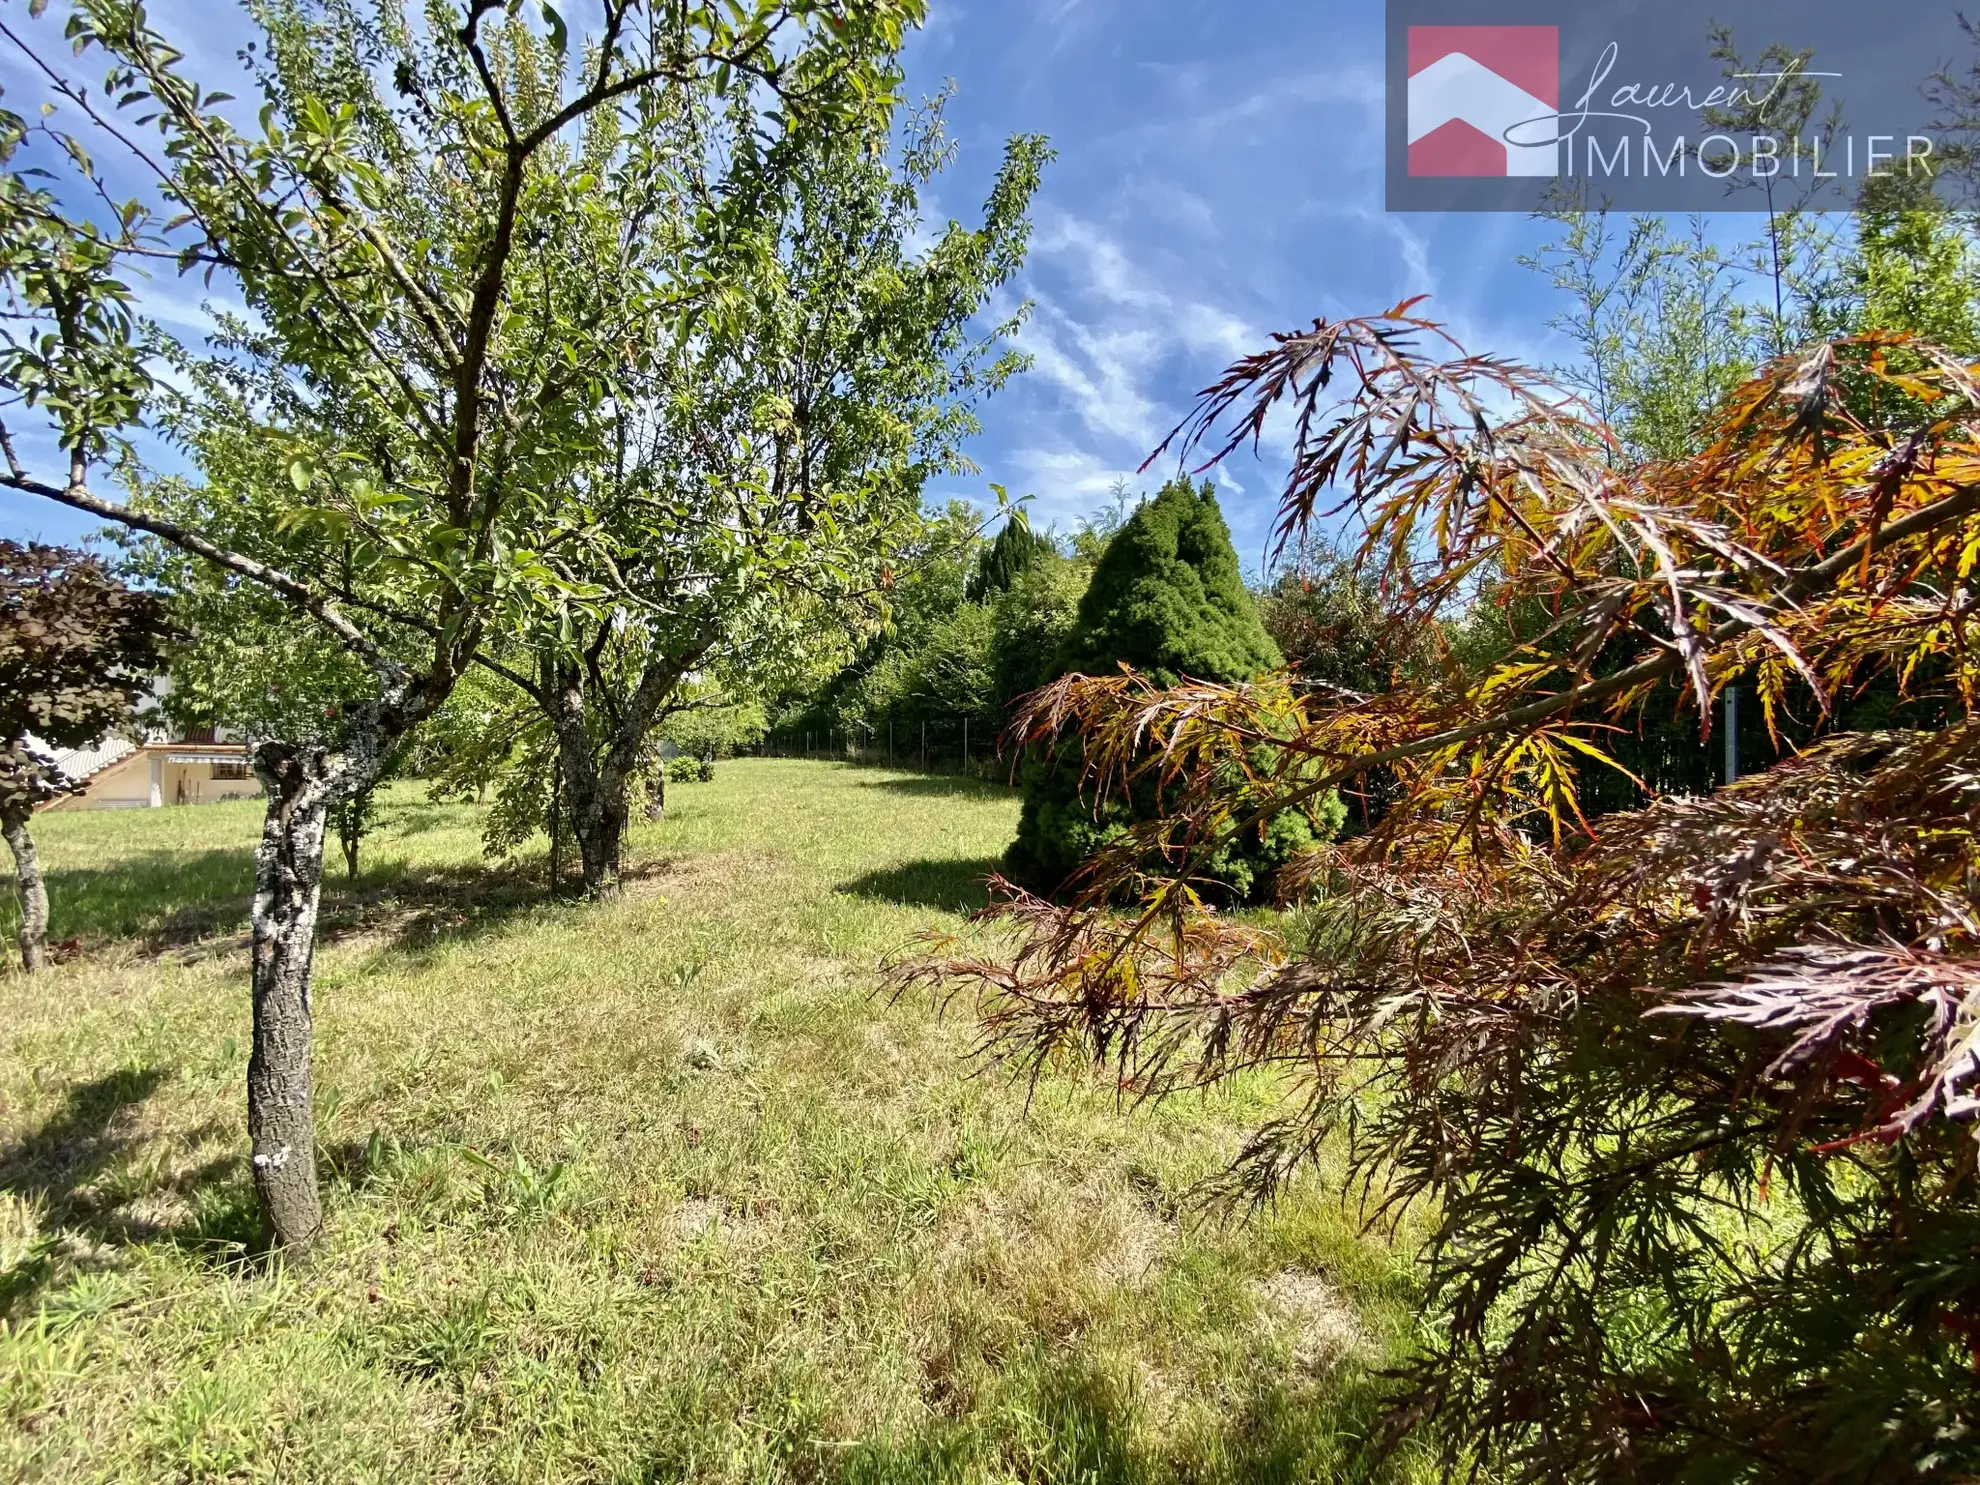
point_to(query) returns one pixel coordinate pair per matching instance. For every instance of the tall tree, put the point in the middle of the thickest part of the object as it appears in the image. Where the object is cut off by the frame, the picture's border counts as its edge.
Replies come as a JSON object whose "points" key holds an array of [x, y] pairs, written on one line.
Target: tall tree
{"points": [[415, 226], [772, 470], [1661, 320], [1015, 551], [863, 679], [1793, 262], [1914, 272], [78, 652]]}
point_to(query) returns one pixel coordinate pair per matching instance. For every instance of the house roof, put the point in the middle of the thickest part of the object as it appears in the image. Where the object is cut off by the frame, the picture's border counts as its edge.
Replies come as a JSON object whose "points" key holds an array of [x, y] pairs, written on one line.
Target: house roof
{"points": [[81, 765]]}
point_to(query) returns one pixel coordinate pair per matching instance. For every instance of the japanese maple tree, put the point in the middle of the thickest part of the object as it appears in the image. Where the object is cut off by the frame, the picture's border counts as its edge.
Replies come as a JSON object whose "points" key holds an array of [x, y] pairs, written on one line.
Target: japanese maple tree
{"points": [[1693, 1098], [78, 651]]}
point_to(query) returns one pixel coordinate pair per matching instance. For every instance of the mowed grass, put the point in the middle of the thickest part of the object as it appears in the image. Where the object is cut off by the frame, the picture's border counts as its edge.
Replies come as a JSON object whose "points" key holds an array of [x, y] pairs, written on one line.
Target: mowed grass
{"points": [[662, 1190]]}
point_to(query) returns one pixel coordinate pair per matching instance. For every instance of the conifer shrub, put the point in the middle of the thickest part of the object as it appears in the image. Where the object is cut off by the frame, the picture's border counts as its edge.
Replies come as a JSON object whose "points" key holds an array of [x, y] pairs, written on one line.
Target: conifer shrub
{"points": [[1167, 599], [1016, 550]]}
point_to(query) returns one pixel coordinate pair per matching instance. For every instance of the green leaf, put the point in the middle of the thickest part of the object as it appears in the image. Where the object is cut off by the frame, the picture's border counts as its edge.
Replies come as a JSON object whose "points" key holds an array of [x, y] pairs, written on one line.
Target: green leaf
{"points": [[559, 34]]}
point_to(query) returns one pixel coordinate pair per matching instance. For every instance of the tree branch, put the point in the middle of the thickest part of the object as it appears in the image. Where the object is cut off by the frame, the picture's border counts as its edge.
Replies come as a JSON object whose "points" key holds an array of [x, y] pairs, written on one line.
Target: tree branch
{"points": [[76, 495], [1801, 583]]}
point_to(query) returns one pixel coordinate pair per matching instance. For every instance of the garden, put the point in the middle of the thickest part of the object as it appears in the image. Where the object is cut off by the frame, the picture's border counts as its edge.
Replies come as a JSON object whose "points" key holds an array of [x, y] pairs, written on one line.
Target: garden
{"points": [[742, 966]]}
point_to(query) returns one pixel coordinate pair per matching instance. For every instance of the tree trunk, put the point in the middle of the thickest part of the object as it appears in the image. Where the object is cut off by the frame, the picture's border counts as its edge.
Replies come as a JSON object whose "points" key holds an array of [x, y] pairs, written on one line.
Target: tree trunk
{"points": [[597, 806], [33, 891], [601, 841], [593, 791], [302, 783], [597, 785]]}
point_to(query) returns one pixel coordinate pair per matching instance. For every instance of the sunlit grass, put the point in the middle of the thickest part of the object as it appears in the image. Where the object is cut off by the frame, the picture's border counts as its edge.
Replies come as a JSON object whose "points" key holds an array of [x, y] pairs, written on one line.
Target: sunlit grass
{"points": [[656, 1191]]}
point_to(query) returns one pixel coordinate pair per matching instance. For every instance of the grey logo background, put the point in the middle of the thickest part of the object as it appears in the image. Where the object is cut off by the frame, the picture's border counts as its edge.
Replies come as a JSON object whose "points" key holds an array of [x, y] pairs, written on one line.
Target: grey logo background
{"points": [[1683, 105]]}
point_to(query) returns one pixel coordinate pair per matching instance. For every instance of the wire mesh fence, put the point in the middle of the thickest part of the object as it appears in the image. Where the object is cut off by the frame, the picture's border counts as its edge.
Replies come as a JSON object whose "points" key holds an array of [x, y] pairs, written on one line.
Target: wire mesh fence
{"points": [[960, 745]]}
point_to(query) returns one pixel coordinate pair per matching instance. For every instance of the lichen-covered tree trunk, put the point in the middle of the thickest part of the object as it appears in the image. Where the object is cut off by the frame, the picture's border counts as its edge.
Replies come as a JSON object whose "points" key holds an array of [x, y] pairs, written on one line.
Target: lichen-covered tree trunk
{"points": [[33, 891], [303, 781], [598, 771], [595, 798]]}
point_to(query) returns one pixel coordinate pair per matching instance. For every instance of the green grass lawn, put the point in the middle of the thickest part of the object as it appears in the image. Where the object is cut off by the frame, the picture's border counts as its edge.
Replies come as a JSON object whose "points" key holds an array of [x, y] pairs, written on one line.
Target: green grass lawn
{"points": [[661, 1190]]}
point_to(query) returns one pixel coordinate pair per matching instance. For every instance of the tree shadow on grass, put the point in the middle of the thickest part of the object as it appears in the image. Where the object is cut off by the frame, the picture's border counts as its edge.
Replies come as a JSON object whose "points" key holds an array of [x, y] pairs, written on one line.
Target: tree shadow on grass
{"points": [[419, 911], [80, 1170], [196, 904], [955, 886], [398, 820], [162, 897]]}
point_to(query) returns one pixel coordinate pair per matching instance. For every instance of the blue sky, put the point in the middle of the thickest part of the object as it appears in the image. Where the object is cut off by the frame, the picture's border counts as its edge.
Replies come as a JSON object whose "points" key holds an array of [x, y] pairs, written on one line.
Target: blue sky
{"points": [[1218, 178]]}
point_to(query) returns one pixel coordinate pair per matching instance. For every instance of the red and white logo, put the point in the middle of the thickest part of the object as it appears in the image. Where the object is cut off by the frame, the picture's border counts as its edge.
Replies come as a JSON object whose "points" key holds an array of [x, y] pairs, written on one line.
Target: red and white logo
{"points": [[1469, 86]]}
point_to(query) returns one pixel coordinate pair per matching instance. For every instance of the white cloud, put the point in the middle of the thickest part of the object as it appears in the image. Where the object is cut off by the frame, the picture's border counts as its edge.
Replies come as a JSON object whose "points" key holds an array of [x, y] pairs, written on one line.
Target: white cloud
{"points": [[1205, 328], [1072, 471], [1361, 88], [1097, 259], [1067, 482], [1217, 116], [1172, 205], [1107, 339], [1100, 371]]}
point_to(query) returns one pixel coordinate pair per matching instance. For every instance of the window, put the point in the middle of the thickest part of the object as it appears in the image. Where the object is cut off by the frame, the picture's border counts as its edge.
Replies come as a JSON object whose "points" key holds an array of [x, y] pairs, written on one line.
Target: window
{"points": [[232, 771]]}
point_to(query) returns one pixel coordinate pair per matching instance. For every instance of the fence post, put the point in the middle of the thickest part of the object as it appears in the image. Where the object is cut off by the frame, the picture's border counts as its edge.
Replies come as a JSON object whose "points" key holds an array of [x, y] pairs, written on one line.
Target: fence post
{"points": [[924, 745], [965, 767], [1732, 734]]}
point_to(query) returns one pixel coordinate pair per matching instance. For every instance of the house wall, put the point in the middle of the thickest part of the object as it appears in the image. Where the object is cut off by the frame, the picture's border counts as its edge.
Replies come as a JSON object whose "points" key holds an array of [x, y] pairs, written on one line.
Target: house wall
{"points": [[193, 783], [126, 785]]}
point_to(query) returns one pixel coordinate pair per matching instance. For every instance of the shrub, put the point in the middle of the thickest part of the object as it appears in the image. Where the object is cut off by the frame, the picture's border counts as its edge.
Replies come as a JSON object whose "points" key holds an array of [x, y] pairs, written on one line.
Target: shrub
{"points": [[1327, 619], [715, 731], [1167, 599], [1689, 1102], [688, 769], [1031, 621]]}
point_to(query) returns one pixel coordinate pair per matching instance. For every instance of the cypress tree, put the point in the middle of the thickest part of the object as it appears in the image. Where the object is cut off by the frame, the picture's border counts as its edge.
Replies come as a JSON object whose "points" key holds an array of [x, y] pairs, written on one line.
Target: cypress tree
{"points": [[1005, 560], [1166, 598]]}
